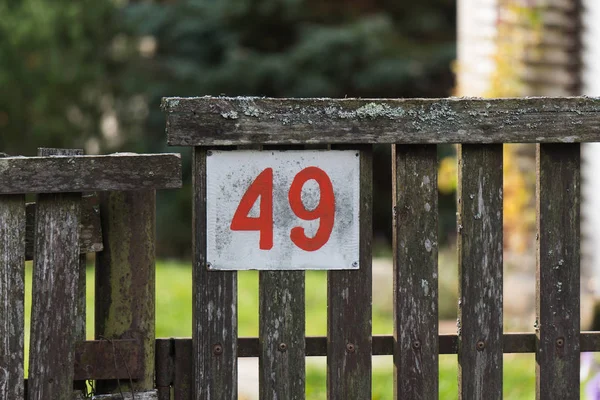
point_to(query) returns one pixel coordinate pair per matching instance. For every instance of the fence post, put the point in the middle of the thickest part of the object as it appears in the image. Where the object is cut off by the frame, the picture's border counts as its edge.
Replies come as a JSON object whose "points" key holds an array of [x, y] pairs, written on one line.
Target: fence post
{"points": [[349, 297], [12, 295], [81, 291], [415, 271], [125, 279], [53, 310], [558, 291], [214, 298], [480, 252]]}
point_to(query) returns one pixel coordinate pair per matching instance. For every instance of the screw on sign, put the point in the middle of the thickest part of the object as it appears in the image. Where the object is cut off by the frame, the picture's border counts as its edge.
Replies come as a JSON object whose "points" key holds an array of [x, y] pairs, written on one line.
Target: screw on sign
{"points": [[283, 209]]}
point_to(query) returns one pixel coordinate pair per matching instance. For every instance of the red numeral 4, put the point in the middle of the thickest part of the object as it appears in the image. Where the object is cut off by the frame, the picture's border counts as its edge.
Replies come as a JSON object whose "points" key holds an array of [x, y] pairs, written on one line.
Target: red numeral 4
{"points": [[261, 187]]}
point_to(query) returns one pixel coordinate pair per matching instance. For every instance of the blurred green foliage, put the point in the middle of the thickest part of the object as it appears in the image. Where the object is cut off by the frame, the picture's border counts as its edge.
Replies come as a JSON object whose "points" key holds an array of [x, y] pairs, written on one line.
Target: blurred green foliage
{"points": [[91, 73]]}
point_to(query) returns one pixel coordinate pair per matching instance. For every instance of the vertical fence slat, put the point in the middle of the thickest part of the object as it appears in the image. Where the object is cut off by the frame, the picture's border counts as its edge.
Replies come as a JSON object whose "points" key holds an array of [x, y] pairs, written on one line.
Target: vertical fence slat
{"points": [[165, 351], [125, 279], [183, 377], [282, 362], [12, 295], [480, 269], [349, 298], [55, 289], [214, 299], [415, 271], [557, 294], [81, 291]]}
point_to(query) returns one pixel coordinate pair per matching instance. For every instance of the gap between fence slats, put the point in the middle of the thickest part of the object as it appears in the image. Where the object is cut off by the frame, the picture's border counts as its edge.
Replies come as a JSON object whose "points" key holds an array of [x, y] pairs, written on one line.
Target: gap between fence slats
{"points": [[349, 298], [55, 290], [415, 242], [12, 295], [558, 285], [480, 249], [214, 299]]}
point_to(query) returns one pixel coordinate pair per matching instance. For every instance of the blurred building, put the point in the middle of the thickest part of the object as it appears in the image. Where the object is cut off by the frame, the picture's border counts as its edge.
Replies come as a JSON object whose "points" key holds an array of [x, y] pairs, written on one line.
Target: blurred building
{"points": [[591, 151], [519, 48]]}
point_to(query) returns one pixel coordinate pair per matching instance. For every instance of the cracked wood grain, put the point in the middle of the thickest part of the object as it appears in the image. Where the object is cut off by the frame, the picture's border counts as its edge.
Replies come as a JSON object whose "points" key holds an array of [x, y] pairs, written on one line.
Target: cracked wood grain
{"points": [[55, 290], [12, 295], [91, 229], [214, 298]]}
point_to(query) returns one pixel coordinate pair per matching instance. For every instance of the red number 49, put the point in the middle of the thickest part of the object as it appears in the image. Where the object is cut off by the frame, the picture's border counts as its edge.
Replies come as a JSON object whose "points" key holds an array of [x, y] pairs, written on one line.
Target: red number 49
{"points": [[263, 187]]}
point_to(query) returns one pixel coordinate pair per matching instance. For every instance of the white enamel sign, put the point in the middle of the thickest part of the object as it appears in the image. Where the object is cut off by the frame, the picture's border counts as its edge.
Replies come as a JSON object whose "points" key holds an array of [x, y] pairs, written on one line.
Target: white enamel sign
{"points": [[283, 210]]}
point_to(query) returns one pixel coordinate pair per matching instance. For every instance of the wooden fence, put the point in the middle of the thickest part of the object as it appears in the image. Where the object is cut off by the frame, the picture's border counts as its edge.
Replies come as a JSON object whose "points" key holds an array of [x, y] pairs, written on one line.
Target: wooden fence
{"points": [[125, 358], [413, 128]]}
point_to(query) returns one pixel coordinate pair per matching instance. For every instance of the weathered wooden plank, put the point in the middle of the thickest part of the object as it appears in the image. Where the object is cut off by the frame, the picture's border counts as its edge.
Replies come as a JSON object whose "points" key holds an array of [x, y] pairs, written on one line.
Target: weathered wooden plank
{"points": [[80, 302], [148, 395], [55, 290], [415, 271], [12, 295], [165, 352], [108, 359], [91, 230], [349, 307], [557, 294], [183, 378], [125, 278], [248, 120], [281, 321], [89, 173], [281, 326], [214, 299], [480, 268]]}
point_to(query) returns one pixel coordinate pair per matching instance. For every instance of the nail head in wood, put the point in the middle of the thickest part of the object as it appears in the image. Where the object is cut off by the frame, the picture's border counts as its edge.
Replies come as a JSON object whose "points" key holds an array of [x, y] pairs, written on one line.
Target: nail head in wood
{"points": [[217, 349]]}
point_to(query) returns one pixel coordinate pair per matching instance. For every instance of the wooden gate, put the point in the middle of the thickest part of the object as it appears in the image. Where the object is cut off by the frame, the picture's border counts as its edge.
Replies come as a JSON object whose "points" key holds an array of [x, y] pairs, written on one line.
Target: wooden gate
{"points": [[413, 128], [56, 232]]}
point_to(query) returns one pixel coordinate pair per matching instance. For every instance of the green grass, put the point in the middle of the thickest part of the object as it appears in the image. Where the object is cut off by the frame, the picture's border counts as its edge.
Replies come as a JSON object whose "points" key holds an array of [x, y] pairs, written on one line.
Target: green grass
{"points": [[174, 314]]}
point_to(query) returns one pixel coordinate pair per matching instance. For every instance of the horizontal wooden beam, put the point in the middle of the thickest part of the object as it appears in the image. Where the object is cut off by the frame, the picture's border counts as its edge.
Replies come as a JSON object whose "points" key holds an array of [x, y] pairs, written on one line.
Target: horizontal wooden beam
{"points": [[115, 172], [108, 359], [229, 121], [91, 230], [384, 344]]}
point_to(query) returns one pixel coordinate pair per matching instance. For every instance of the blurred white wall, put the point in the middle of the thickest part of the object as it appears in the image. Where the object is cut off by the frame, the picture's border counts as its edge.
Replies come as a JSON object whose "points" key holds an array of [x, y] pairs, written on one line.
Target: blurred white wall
{"points": [[591, 152], [477, 32]]}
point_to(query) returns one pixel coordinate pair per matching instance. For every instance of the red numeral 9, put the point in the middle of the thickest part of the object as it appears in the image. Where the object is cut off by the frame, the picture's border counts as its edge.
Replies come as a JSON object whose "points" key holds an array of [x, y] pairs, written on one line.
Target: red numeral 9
{"points": [[325, 210], [263, 187]]}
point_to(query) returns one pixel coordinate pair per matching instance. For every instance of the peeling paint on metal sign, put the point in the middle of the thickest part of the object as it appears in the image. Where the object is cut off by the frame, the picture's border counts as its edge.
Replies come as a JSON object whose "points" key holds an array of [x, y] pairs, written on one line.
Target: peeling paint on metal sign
{"points": [[231, 173]]}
